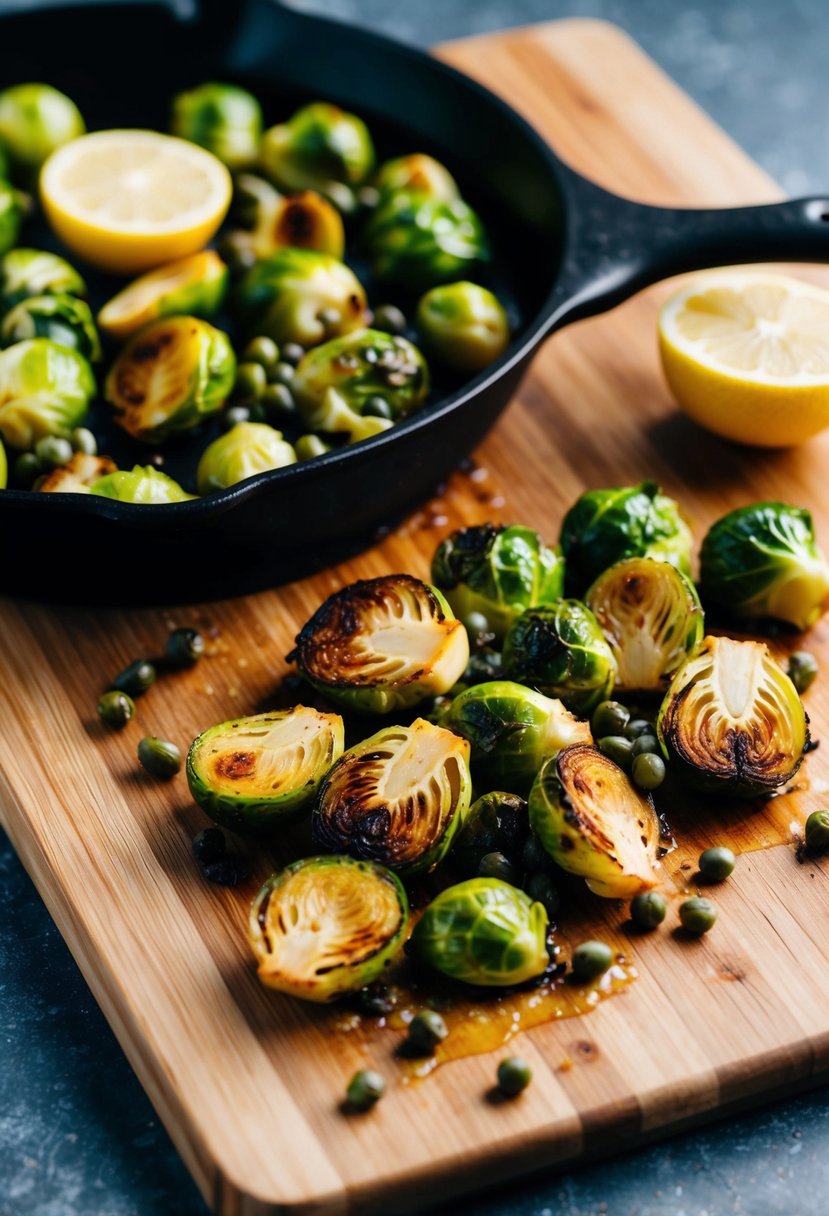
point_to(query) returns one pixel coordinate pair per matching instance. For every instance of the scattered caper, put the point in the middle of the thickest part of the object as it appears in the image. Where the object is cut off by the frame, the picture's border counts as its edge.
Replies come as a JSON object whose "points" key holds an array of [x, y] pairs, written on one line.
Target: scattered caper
{"points": [[817, 830], [309, 446], [292, 352], [135, 679], [803, 667], [364, 1089], [497, 865], [184, 647], [375, 1000], [648, 771], [227, 872], [716, 863], [534, 856], [261, 350], [648, 909], [426, 1029], [283, 373], [377, 407], [250, 383], [159, 757], [645, 745], [234, 415], [540, 886], [116, 709], [25, 469], [389, 319], [475, 624], [590, 960], [83, 440], [609, 718], [514, 1075], [279, 404], [697, 915], [617, 748], [209, 845], [52, 451], [637, 727]]}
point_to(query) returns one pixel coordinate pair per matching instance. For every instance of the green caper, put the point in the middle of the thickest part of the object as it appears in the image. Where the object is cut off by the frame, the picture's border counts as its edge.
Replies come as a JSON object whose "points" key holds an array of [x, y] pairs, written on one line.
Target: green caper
{"points": [[534, 856], [25, 469], [283, 373], [514, 1075], [426, 1030], [475, 624], [609, 718], [116, 709], [497, 865], [648, 909], [648, 771], [617, 748], [817, 830], [184, 647], [159, 757], [309, 446], [377, 407], [389, 319], [540, 887], [292, 352], [135, 679], [803, 667], [209, 846], [234, 415], [590, 960], [645, 745], [262, 350], [637, 727], [697, 915], [716, 863], [278, 403], [52, 451], [83, 440], [250, 383], [364, 1089]]}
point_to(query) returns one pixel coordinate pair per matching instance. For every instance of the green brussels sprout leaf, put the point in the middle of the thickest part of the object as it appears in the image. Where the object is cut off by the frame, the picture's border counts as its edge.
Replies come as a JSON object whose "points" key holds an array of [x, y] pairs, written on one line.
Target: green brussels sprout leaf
{"points": [[63, 318], [35, 119], [243, 451], [559, 649], [33, 272], [463, 325], [223, 118], [45, 389], [140, 485], [417, 241], [320, 148], [194, 286], [300, 295]]}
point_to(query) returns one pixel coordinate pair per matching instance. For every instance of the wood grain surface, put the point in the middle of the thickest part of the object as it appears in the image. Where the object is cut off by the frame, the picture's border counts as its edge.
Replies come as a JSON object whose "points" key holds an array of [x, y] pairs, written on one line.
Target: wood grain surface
{"points": [[249, 1082]]}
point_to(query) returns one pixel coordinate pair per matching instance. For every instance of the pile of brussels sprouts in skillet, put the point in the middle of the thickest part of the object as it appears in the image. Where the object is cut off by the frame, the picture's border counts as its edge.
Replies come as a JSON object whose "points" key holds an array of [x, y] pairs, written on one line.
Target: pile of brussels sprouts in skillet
{"points": [[260, 353]]}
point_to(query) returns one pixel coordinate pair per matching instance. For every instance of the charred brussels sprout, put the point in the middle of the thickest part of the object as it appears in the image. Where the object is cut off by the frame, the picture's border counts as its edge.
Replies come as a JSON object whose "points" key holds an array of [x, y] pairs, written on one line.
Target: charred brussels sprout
{"points": [[594, 823], [300, 295], [463, 325], [320, 148], [763, 561], [732, 721], [652, 618], [498, 571], [251, 774], [140, 485], [249, 448], [326, 926], [273, 221], [223, 118], [65, 319], [78, 475], [416, 174], [496, 823], [512, 731], [485, 932], [35, 119], [397, 798], [169, 377], [11, 216], [193, 286], [33, 272], [418, 241], [560, 650], [606, 526], [45, 389]]}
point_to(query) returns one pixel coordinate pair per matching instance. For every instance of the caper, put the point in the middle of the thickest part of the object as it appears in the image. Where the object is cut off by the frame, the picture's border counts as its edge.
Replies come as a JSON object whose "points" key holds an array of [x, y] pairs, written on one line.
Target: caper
{"points": [[116, 709], [648, 909], [617, 748], [389, 319], [279, 404], [364, 1089], [262, 350], [637, 727], [377, 407], [817, 830], [292, 352], [227, 872], [52, 451], [283, 373], [209, 845], [803, 667], [426, 1029], [716, 863], [514, 1075], [609, 718], [475, 624], [645, 745], [484, 664], [590, 960], [534, 856], [648, 771], [25, 469], [83, 440], [159, 757], [135, 679], [697, 915], [184, 647], [497, 865], [234, 415], [540, 887], [250, 383], [309, 446]]}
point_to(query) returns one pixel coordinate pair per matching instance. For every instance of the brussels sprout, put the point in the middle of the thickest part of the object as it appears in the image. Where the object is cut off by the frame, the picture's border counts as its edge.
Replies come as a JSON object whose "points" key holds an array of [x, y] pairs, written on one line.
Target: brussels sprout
{"points": [[418, 241], [11, 216], [594, 823], [33, 272], [763, 561], [194, 286], [140, 485], [382, 644], [78, 475], [463, 325], [249, 448], [223, 118], [397, 798], [326, 926], [606, 526], [34, 120], [45, 389], [416, 174], [652, 618], [251, 774], [498, 571], [299, 221], [484, 931], [320, 148], [299, 295], [497, 822], [65, 319], [560, 650], [732, 721], [169, 377], [512, 731]]}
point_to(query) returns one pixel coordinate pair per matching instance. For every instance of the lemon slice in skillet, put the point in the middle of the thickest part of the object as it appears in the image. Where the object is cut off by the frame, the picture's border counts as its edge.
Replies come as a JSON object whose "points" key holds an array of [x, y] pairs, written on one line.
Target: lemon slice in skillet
{"points": [[747, 356], [130, 200]]}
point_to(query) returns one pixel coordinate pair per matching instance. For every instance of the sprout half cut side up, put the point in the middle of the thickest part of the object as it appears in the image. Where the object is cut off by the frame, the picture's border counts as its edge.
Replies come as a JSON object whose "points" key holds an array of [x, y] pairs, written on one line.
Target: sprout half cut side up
{"points": [[732, 720], [327, 925]]}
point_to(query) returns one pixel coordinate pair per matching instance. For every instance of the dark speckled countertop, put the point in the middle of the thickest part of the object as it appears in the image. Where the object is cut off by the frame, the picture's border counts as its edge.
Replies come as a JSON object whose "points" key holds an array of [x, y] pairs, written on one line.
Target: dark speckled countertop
{"points": [[77, 1135]]}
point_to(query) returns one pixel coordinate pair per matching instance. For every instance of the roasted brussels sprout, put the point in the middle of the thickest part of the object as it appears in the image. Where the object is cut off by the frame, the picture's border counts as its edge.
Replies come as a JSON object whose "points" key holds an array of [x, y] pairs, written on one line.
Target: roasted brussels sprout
{"points": [[140, 485], [418, 241], [193, 286], [560, 650], [33, 272], [497, 570], [11, 216], [763, 561], [299, 295], [382, 644], [512, 731], [606, 526], [320, 148], [251, 774], [223, 118], [244, 451], [652, 618], [732, 721], [65, 319], [274, 221], [497, 822], [169, 377], [416, 174], [78, 475], [594, 823], [485, 932], [463, 325], [45, 389], [326, 926], [34, 120]]}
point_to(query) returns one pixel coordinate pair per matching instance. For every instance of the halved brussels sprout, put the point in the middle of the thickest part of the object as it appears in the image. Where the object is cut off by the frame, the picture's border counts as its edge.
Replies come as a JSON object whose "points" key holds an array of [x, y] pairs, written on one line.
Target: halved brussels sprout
{"points": [[463, 325], [496, 823], [416, 174], [763, 561], [251, 774], [45, 389], [651, 616], [593, 822], [320, 148], [169, 377], [33, 272], [65, 319], [11, 216], [299, 295], [418, 241], [397, 798], [498, 570], [484, 932], [78, 475], [732, 721], [245, 450], [140, 485], [34, 120], [297, 221], [512, 731], [326, 926], [606, 526], [559, 649], [382, 644], [223, 118], [193, 286]]}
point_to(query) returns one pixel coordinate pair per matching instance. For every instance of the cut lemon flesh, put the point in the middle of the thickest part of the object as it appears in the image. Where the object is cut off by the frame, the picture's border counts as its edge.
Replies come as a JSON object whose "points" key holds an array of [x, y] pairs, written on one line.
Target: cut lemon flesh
{"points": [[747, 356], [131, 200]]}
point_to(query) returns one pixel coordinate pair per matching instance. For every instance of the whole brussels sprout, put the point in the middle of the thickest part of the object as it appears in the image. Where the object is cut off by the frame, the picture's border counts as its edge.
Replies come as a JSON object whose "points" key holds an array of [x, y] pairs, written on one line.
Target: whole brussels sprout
{"points": [[11, 216], [34, 272], [274, 221], [498, 570], [326, 926], [34, 120], [65, 319], [169, 377], [512, 730], [763, 561], [496, 823], [559, 649], [45, 389], [77, 476], [463, 325], [245, 450], [605, 526], [223, 118], [484, 932], [320, 148], [194, 286], [140, 485], [416, 174], [417, 241], [299, 295]]}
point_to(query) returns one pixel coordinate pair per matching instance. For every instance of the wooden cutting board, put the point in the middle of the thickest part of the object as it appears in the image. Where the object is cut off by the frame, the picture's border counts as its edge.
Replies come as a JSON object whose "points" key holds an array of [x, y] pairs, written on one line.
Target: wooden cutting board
{"points": [[248, 1082]]}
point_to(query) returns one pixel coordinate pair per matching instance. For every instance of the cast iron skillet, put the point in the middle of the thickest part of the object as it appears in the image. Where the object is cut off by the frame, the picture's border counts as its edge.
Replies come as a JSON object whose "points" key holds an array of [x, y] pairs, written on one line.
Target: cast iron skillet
{"points": [[572, 250]]}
